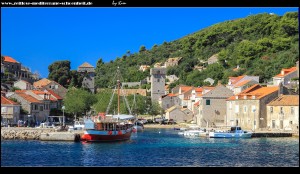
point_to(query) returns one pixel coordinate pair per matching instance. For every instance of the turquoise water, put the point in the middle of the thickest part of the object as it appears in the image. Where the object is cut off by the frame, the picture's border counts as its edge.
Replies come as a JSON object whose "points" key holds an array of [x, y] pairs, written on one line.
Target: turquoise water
{"points": [[155, 147]]}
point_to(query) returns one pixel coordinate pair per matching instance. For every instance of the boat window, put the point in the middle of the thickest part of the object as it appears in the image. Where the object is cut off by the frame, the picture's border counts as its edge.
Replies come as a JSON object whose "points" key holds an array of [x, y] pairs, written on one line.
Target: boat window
{"points": [[238, 128]]}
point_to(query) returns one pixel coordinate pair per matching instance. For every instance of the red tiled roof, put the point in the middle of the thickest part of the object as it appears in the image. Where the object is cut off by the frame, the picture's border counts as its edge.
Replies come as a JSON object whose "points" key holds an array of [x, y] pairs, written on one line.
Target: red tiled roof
{"points": [[9, 59], [41, 83], [52, 98], [86, 65], [255, 90], [39, 92], [20, 91], [234, 80], [199, 89], [29, 98], [242, 83], [286, 71], [6, 101], [54, 94], [285, 100], [171, 95]]}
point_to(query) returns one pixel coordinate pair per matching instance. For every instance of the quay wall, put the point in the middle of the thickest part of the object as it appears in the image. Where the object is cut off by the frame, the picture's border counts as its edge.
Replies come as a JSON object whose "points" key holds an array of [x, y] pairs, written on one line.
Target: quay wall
{"points": [[45, 134]]}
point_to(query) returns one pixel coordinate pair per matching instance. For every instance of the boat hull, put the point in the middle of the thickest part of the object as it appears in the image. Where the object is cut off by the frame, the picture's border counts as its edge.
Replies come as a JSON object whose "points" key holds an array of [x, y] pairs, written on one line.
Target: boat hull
{"points": [[105, 136], [229, 135], [138, 128]]}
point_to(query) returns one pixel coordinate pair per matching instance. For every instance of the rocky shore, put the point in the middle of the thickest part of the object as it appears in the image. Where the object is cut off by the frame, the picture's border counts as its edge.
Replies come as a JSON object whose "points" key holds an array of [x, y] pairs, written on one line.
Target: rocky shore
{"points": [[21, 133]]}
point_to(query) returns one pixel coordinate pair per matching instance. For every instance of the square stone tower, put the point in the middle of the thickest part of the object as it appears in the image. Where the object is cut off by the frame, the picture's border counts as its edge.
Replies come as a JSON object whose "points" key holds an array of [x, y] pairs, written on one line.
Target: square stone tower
{"points": [[158, 76], [89, 78]]}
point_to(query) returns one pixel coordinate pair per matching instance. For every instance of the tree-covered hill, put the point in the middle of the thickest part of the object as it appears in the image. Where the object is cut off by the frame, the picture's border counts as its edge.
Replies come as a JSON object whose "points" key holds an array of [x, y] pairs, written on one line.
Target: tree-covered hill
{"points": [[260, 45]]}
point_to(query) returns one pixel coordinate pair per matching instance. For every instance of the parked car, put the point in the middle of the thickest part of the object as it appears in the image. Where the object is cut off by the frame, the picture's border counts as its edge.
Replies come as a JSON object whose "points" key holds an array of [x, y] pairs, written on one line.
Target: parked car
{"points": [[171, 121]]}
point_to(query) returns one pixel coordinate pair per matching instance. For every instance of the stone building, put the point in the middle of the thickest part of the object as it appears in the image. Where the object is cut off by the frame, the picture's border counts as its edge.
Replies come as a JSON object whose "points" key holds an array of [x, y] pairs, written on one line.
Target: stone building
{"points": [[22, 84], [89, 76], [179, 114], [283, 113], [248, 109], [285, 76], [172, 61], [212, 107], [16, 70], [169, 100], [10, 111], [52, 85], [36, 103], [158, 76]]}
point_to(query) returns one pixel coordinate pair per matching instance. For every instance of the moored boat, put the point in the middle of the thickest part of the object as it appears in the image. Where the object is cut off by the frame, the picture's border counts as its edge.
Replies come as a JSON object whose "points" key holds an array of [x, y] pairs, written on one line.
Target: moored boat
{"points": [[234, 132], [109, 128], [106, 127]]}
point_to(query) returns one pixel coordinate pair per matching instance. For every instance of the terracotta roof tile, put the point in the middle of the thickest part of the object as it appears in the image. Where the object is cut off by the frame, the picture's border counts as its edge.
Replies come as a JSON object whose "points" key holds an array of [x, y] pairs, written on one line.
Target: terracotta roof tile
{"points": [[41, 83], [6, 101], [10, 59], [285, 72], [29, 98], [86, 65], [285, 100], [39, 92], [242, 83], [234, 80], [256, 90], [54, 94]]}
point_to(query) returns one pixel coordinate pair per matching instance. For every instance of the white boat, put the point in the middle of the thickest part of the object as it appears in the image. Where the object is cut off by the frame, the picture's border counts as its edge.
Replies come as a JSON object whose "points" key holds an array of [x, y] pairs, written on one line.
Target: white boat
{"points": [[139, 126], [234, 132], [193, 131]]}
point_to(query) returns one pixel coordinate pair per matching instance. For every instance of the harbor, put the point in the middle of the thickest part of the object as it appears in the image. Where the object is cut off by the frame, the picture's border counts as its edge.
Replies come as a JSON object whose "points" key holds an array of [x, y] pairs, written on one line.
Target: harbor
{"points": [[161, 147], [52, 134]]}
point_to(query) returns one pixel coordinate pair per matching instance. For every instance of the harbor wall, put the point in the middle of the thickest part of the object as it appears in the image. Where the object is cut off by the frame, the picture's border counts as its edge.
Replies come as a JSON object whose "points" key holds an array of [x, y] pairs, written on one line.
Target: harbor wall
{"points": [[45, 134]]}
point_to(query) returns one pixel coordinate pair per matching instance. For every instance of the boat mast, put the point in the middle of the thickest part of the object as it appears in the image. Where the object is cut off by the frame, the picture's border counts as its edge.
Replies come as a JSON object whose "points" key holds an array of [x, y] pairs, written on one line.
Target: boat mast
{"points": [[118, 97], [118, 81]]}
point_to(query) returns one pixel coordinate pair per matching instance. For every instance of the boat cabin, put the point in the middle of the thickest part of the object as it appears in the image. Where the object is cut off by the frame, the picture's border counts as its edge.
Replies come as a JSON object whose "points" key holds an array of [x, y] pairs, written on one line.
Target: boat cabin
{"points": [[236, 129]]}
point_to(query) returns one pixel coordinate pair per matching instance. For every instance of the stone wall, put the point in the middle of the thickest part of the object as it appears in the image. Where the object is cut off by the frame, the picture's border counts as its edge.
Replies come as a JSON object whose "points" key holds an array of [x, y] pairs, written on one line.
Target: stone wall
{"points": [[23, 133]]}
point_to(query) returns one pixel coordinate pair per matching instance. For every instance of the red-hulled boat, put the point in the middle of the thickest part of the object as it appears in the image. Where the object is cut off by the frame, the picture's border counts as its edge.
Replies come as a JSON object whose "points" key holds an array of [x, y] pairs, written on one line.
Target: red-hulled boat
{"points": [[109, 127]]}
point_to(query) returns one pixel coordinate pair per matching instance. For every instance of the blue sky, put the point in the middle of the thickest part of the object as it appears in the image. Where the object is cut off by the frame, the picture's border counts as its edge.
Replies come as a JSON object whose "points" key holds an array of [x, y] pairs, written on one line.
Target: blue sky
{"points": [[37, 37]]}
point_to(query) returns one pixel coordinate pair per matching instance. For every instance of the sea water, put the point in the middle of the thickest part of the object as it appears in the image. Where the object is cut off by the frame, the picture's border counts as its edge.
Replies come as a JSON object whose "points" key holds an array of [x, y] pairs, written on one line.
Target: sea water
{"points": [[155, 147]]}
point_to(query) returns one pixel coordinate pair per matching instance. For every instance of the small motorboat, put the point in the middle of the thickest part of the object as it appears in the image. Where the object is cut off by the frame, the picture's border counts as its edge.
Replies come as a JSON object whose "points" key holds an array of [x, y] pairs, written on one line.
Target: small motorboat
{"points": [[234, 132]]}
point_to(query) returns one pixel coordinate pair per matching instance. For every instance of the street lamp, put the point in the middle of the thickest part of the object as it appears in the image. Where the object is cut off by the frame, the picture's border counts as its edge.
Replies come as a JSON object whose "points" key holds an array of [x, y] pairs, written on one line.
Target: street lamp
{"points": [[63, 109]]}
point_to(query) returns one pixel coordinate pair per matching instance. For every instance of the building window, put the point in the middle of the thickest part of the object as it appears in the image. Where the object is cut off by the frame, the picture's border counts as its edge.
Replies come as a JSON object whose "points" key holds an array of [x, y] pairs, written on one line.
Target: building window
{"points": [[281, 110], [236, 109], [273, 124], [245, 109], [35, 107], [41, 108], [3, 109], [292, 110], [158, 80], [271, 110], [291, 122], [207, 102]]}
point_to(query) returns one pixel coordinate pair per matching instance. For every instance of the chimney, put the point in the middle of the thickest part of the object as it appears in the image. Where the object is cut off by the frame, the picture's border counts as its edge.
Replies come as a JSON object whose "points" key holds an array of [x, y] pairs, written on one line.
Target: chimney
{"points": [[280, 89]]}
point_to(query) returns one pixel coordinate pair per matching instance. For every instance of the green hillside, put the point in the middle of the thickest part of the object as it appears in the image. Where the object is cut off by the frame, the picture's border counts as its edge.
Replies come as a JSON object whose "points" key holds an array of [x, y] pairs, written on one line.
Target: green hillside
{"points": [[260, 44]]}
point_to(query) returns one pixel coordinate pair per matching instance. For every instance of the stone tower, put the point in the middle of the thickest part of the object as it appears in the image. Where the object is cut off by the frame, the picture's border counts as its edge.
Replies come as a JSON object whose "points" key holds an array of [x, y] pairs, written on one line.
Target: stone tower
{"points": [[158, 76], [89, 77]]}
